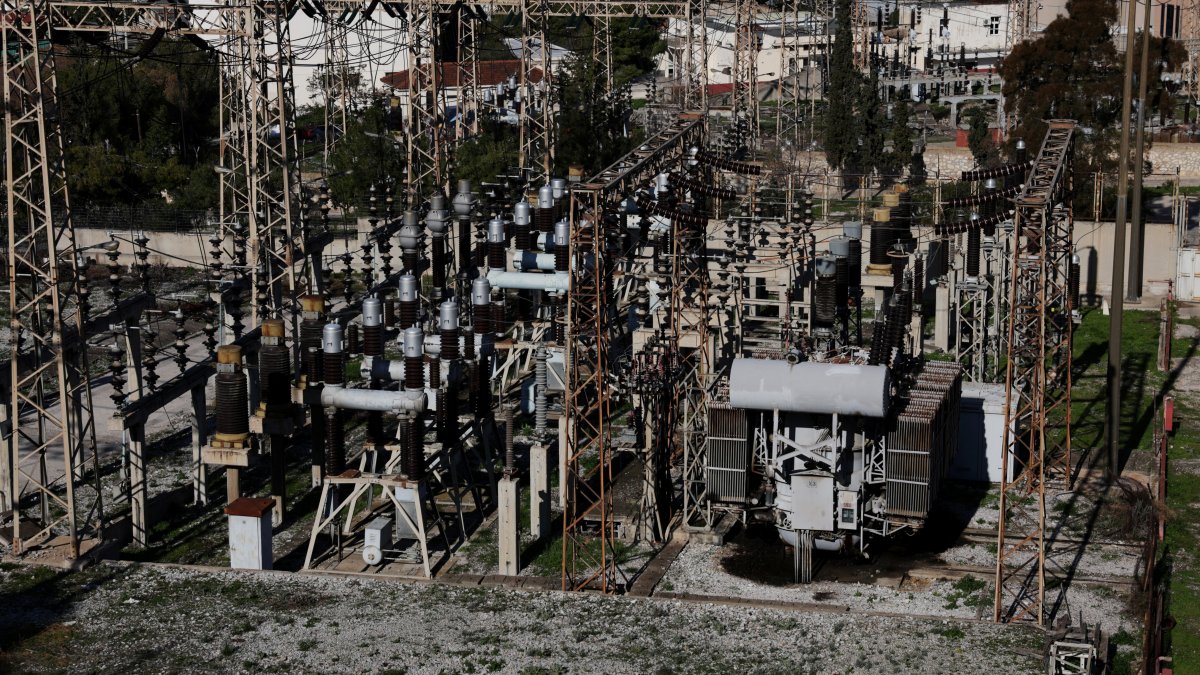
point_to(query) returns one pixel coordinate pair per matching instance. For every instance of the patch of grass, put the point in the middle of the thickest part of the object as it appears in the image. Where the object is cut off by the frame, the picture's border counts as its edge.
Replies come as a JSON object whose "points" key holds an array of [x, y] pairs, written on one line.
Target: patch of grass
{"points": [[951, 633], [968, 591]]}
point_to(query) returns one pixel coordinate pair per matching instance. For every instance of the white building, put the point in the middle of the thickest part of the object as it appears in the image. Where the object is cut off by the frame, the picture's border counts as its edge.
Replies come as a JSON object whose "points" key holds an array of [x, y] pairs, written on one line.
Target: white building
{"points": [[932, 35], [795, 50]]}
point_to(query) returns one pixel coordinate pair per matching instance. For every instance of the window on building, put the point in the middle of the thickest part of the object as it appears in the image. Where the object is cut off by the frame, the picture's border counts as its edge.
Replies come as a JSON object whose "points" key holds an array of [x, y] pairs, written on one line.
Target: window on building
{"points": [[993, 25]]}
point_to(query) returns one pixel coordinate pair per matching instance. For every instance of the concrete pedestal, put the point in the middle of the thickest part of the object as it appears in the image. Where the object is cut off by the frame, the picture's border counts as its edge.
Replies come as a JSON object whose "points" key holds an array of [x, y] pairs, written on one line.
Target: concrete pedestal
{"points": [[539, 490], [508, 508], [941, 318], [250, 533]]}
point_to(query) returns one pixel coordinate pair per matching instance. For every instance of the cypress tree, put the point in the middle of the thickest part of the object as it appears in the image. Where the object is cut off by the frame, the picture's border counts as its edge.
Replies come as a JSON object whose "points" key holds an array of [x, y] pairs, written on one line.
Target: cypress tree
{"points": [[840, 141]]}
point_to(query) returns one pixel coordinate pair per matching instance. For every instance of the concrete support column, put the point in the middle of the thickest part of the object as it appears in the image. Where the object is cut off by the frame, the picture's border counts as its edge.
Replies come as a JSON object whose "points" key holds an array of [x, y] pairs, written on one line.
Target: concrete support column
{"points": [[233, 484], [562, 460], [137, 483], [539, 490], [941, 318], [199, 438], [509, 537], [7, 484]]}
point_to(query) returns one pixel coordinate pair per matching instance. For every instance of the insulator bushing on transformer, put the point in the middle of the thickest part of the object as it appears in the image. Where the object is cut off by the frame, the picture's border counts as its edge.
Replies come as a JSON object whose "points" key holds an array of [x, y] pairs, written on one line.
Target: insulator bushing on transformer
{"points": [[352, 342], [562, 246], [274, 370], [522, 240], [312, 322], [332, 349], [496, 245], [233, 421], [854, 263], [882, 237], [409, 302], [825, 300]]}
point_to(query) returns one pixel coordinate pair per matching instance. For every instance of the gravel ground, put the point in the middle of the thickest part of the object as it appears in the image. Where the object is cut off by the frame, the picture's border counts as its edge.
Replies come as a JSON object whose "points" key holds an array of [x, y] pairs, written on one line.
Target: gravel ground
{"points": [[139, 619], [699, 570]]}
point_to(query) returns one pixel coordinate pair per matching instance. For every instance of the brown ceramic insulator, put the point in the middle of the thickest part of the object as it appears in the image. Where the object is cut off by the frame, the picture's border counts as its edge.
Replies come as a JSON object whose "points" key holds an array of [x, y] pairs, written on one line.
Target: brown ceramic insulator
{"points": [[414, 373], [498, 319], [409, 310], [825, 300], [521, 237], [232, 414], [435, 373], [389, 313], [496, 255], [481, 317], [353, 345], [411, 260], [438, 265], [310, 336], [314, 365], [543, 218], [450, 344], [372, 340], [335, 368], [275, 374], [854, 264], [561, 258], [918, 285], [973, 244], [468, 344], [483, 395], [415, 467], [335, 442]]}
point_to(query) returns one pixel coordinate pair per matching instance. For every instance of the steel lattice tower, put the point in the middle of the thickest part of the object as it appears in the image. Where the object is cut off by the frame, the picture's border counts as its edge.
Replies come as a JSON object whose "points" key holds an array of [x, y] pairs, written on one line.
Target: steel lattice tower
{"points": [[1037, 448], [50, 389]]}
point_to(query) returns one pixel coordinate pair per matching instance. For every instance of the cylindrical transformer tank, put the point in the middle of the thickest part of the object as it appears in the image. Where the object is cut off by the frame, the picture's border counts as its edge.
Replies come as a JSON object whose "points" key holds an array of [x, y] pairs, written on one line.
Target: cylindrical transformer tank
{"points": [[817, 388], [852, 229]]}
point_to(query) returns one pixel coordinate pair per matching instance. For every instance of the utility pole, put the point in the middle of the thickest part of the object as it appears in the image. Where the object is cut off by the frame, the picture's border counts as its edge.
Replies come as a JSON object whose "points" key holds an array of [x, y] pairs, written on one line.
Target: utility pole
{"points": [[1117, 311], [1136, 246]]}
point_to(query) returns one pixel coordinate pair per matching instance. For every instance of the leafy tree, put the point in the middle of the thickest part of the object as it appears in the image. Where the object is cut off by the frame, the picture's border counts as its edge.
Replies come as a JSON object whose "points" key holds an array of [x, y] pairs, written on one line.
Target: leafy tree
{"points": [[872, 126], [591, 126], [489, 154], [900, 134], [367, 155], [1073, 71], [140, 129], [979, 136]]}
